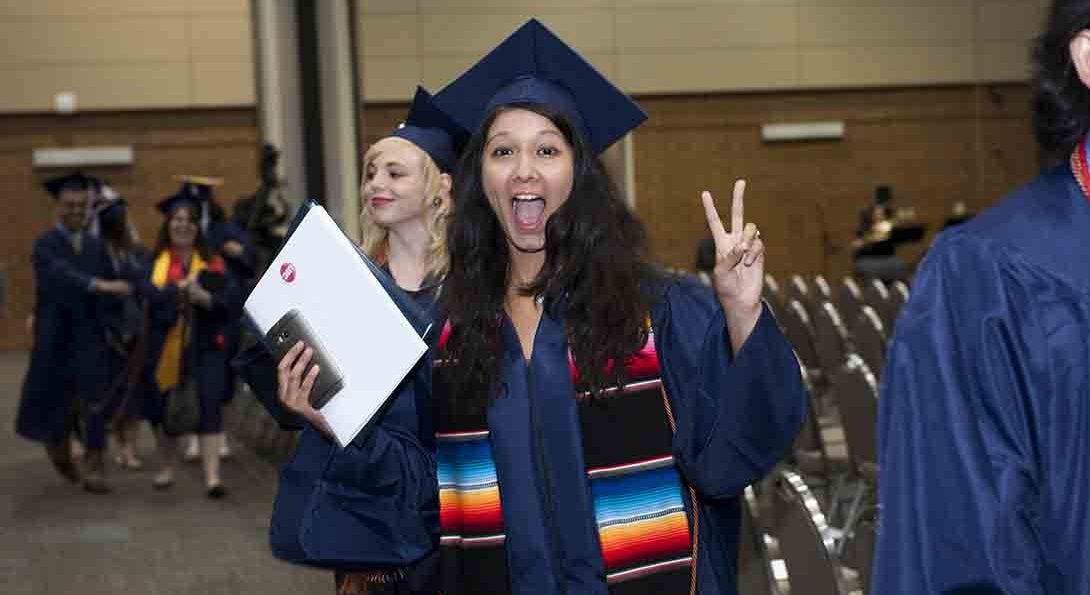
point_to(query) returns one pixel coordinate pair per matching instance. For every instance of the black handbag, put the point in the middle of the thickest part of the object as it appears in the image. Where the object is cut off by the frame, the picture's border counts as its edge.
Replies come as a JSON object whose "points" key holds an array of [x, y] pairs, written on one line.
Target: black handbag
{"points": [[182, 411]]}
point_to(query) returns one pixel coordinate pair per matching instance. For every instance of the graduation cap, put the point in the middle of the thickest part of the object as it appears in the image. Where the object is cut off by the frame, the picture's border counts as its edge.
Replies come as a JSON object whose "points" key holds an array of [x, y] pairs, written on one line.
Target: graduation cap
{"points": [[535, 66], [195, 193], [108, 206], [433, 131], [75, 181], [199, 186], [194, 196]]}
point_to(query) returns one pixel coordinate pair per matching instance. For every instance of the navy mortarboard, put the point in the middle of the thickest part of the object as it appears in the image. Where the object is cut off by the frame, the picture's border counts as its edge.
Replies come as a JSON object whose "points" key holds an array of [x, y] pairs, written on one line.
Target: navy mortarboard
{"points": [[196, 193], [180, 199], [200, 187], [433, 131], [534, 66], [75, 181], [107, 205]]}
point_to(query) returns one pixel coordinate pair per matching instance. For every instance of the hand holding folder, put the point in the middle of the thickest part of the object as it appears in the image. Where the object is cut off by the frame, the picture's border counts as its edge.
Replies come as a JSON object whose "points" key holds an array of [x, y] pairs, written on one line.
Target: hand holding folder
{"points": [[364, 330]]}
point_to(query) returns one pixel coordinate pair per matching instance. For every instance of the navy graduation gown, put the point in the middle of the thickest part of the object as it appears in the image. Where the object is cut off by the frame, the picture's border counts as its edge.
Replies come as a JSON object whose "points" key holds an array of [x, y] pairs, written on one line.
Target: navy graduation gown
{"points": [[984, 425], [243, 266], [375, 503], [372, 505], [736, 414], [206, 358], [65, 337]]}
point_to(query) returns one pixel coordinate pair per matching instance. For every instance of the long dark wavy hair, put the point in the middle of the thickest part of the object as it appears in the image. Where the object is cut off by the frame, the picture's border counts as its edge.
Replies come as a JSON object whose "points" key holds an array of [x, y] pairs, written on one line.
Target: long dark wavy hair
{"points": [[595, 266], [200, 244], [1061, 103]]}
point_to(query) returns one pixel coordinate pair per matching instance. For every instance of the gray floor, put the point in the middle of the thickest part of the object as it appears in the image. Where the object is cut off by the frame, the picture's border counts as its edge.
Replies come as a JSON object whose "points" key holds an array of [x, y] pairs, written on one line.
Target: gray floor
{"points": [[56, 539]]}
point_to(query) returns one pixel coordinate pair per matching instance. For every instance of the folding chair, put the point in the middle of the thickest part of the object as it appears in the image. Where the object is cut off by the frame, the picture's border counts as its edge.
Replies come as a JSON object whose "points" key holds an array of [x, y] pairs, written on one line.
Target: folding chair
{"points": [[870, 339], [804, 537], [755, 575], [830, 338], [798, 329]]}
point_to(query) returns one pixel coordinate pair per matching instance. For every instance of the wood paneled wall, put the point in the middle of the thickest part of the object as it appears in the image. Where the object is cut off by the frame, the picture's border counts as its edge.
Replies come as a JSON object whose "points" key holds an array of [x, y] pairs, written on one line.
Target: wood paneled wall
{"points": [[686, 46], [221, 142], [155, 54], [125, 54], [933, 146]]}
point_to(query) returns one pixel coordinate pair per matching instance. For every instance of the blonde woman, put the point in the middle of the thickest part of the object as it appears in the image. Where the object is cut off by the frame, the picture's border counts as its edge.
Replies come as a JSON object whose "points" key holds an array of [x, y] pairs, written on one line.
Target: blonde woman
{"points": [[386, 479]]}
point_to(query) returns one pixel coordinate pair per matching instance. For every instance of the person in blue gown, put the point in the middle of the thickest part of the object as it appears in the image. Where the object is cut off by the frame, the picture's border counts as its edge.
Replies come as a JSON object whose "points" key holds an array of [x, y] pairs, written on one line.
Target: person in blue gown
{"points": [[69, 275], [551, 478], [192, 300], [325, 512], [985, 399], [123, 322], [231, 242]]}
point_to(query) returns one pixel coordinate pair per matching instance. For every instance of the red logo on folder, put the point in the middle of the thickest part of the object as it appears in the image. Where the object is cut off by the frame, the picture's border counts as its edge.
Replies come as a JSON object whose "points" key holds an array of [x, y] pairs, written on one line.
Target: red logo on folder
{"points": [[287, 272]]}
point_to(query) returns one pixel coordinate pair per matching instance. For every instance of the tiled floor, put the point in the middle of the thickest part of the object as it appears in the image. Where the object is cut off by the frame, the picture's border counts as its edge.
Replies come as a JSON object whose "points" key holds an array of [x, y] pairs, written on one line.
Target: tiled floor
{"points": [[56, 539]]}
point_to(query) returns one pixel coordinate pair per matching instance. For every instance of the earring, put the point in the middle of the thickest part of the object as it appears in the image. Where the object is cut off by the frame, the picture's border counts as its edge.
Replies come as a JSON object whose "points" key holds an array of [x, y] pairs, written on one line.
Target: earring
{"points": [[435, 202]]}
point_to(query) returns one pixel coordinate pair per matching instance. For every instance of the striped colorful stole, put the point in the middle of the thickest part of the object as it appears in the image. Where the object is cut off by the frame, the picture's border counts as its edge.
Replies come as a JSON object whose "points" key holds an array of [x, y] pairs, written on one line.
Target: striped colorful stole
{"points": [[647, 538]]}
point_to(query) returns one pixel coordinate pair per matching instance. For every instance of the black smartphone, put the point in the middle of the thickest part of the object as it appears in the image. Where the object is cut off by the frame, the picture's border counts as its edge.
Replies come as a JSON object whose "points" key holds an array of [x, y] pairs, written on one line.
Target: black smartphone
{"points": [[292, 328]]}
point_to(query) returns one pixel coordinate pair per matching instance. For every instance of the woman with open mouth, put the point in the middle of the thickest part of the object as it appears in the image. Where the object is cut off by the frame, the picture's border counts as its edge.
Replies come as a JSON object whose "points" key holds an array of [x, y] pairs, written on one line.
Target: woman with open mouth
{"points": [[597, 419]]}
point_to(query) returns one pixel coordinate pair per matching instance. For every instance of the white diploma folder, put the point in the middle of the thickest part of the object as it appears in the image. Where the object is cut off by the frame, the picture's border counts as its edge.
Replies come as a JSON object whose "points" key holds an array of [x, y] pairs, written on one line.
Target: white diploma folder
{"points": [[320, 273]]}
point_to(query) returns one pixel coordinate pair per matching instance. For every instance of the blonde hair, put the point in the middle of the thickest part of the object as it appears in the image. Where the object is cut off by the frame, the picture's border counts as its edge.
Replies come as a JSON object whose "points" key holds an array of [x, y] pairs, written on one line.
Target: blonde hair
{"points": [[374, 237]]}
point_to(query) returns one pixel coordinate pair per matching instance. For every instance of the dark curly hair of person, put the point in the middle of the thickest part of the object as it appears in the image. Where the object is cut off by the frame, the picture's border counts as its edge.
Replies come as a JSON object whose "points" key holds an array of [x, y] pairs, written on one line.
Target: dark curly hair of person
{"points": [[595, 265], [1061, 103]]}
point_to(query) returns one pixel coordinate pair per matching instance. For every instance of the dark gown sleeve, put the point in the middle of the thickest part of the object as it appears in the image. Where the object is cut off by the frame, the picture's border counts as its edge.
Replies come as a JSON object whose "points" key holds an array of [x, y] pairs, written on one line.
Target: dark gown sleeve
{"points": [[960, 493], [736, 414], [373, 505], [61, 276], [244, 265]]}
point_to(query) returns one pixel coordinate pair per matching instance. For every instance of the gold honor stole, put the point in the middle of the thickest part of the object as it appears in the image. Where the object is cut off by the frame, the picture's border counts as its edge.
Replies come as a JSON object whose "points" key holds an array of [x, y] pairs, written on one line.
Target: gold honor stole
{"points": [[639, 497], [167, 370]]}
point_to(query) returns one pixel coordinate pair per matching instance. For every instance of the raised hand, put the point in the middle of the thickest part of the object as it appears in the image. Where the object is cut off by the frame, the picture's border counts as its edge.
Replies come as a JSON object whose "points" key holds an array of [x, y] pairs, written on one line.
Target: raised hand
{"points": [[738, 277]]}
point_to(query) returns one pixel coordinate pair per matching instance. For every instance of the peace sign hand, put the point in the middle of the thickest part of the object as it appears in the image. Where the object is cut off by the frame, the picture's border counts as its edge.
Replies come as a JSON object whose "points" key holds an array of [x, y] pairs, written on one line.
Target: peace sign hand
{"points": [[739, 265]]}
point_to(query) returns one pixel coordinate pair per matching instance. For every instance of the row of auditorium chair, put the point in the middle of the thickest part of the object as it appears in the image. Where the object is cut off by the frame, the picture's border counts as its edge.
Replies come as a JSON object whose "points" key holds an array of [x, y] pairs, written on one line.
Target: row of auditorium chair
{"points": [[809, 528], [824, 326]]}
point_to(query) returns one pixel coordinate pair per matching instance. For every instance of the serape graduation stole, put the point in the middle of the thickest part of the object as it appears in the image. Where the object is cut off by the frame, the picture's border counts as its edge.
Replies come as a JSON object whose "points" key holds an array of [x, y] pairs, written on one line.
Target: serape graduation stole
{"points": [[1080, 167], [646, 514]]}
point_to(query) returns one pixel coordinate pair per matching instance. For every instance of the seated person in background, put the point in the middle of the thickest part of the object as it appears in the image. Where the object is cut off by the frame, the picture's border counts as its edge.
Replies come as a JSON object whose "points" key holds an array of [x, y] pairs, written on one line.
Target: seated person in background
{"points": [[881, 229], [984, 448]]}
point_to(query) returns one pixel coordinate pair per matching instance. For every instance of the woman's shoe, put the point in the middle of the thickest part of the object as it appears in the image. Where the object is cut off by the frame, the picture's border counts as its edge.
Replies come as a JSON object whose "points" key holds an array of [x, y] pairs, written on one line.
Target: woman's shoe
{"points": [[192, 452], [128, 462], [94, 477], [216, 491], [163, 481]]}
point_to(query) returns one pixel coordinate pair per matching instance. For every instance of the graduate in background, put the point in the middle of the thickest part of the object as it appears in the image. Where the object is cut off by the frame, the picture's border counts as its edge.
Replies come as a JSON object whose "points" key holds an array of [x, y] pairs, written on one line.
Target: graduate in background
{"points": [[192, 298], [985, 403], [123, 322], [67, 264], [231, 242]]}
